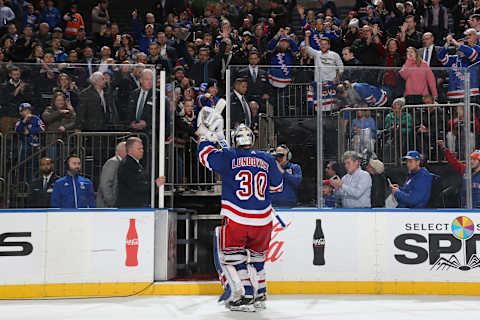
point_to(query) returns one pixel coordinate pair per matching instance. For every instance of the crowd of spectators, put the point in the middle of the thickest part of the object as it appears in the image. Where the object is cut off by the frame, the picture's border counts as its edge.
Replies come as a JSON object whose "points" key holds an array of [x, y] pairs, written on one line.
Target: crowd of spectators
{"points": [[94, 77]]}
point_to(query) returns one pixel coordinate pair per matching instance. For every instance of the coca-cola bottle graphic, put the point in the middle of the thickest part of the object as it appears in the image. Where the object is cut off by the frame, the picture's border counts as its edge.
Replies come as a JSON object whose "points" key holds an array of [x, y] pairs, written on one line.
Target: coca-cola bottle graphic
{"points": [[318, 245], [132, 245]]}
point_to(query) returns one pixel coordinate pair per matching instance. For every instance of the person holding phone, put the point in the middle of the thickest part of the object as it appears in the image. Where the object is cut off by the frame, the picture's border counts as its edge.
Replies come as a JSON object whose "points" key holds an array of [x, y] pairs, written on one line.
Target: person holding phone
{"points": [[355, 187]]}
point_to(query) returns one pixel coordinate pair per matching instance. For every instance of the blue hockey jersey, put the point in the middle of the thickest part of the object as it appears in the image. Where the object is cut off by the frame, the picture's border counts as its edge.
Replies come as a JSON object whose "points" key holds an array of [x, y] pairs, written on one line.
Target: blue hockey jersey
{"points": [[246, 175], [371, 95], [281, 71], [459, 64], [316, 36], [34, 126]]}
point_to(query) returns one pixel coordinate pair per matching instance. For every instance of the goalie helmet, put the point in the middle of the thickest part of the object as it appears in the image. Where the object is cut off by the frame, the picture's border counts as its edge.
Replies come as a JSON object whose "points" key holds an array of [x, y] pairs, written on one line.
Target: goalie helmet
{"points": [[243, 136]]}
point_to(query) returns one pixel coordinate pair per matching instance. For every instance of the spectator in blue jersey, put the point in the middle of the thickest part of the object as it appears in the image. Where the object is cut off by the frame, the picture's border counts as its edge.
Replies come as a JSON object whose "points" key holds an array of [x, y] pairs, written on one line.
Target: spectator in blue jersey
{"points": [[356, 93], [415, 193], [363, 132], [30, 18], [208, 99], [283, 52], [29, 126], [292, 177], [51, 15], [73, 190], [143, 39], [467, 55]]}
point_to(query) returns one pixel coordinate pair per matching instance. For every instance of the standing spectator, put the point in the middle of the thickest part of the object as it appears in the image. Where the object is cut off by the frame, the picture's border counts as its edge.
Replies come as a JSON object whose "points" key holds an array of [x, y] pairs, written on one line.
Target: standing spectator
{"points": [[418, 78], [349, 60], [468, 54], [100, 15], [15, 91], [141, 104], [68, 88], [73, 22], [29, 126], [397, 123], [125, 81], [329, 68], [42, 186], [456, 133], [30, 18], [363, 132], [430, 123], [415, 193], [413, 38], [239, 108], [51, 15], [435, 20], [108, 188], [355, 187], [202, 69], [376, 168], [429, 54], [96, 110], [145, 39], [258, 88], [460, 167], [73, 190], [365, 50], [6, 16], [43, 34], [292, 177], [60, 118], [133, 179]]}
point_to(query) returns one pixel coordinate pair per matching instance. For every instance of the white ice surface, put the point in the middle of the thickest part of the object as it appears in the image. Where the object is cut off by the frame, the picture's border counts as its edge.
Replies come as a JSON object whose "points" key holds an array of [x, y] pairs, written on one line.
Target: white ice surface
{"points": [[298, 307]]}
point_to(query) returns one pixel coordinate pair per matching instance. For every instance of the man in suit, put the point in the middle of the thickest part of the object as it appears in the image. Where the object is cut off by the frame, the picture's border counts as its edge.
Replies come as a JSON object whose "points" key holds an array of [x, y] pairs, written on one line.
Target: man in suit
{"points": [[133, 179], [42, 187], [140, 104], [258, 87], [429, 53], [239, 108], [97, 110], [201, 69], [107, 190], [89, 60]]}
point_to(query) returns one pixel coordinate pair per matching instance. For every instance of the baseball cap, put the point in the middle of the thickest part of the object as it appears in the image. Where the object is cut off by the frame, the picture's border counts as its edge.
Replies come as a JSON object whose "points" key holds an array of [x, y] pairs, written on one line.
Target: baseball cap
{"points": [[412, 154], [149, 26], [247, 33], [57, 29], [282, 38], [24, 105], [475, 154], [409, 3]]}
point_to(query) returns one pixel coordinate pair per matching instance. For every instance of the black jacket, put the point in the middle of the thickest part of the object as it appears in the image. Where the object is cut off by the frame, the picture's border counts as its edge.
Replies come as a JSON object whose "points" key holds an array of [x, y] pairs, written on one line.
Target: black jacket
{"points": [[256, 89], [147, 109], [91, 115], [40, 197], [133, 184], [237, 114]]}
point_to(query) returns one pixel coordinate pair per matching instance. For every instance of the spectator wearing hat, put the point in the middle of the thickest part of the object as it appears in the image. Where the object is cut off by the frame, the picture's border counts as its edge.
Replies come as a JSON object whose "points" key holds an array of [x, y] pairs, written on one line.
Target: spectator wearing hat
{"points": [[29, 127], [100, 15], [397, 123], [460, 168], [415, 193], [209, 98], [376, 169], [143, 39], [51, 15]]}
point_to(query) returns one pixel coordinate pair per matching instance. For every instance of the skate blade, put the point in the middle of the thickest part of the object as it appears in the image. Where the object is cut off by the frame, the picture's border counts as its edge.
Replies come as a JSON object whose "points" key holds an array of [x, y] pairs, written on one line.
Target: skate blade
{"points": [[244, 308], [260, 305]]}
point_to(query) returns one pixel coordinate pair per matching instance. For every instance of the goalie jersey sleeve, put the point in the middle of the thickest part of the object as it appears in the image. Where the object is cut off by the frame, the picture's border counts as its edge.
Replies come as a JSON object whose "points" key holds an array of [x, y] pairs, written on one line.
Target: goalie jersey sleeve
{"points": [[248, 178]]}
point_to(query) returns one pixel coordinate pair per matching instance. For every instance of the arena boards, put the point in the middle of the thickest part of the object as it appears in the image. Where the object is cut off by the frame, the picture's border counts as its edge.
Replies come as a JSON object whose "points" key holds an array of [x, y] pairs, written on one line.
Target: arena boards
{"points": [[47, 254]]}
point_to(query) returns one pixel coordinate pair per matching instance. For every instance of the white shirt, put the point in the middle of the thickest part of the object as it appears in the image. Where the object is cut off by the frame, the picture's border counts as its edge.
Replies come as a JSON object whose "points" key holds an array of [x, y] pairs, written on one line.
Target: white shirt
{"points": [[425, 57], [356, 189], [246, 108], [327, 64]]}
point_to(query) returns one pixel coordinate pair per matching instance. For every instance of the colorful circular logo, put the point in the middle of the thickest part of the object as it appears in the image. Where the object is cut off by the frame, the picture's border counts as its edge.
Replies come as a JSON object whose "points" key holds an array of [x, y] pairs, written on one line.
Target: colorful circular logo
{"points": [[463, 228]]}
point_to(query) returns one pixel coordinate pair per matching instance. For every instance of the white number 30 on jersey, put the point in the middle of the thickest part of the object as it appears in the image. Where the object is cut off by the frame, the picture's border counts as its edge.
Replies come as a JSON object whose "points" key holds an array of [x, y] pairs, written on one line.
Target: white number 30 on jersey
{"points": [[251, 185]]}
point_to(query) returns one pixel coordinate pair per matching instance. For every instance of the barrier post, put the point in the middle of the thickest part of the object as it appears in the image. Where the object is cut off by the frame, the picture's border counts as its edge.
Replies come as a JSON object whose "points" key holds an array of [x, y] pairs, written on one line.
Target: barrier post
{"points": [[468, 144]]}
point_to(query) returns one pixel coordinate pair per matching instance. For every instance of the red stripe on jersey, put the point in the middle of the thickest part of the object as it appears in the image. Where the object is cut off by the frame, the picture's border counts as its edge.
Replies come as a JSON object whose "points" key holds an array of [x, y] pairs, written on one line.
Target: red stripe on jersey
{"points": [[246, 215], [204, 153]]}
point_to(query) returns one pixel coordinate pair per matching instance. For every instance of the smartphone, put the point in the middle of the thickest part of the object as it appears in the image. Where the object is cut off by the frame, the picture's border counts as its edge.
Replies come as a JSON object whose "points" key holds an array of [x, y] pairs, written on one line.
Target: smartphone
{"points": [[389, 182]]}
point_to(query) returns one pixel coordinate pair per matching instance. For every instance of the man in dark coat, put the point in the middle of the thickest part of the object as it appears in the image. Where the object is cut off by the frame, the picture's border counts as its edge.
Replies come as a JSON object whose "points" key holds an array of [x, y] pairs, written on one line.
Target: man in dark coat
{"points": [[97, 110], [140, 104], [133, 179], [239, 107]]}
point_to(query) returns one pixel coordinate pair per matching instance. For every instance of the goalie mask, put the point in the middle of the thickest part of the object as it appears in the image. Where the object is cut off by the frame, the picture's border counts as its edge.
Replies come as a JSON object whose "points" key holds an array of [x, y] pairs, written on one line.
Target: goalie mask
{"points": [[243, 136]]}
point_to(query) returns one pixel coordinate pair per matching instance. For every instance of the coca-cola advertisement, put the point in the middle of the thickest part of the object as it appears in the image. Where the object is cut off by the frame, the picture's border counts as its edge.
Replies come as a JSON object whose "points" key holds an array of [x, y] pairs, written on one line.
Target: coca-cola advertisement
{"points": [[318, 246], [132, 245]]}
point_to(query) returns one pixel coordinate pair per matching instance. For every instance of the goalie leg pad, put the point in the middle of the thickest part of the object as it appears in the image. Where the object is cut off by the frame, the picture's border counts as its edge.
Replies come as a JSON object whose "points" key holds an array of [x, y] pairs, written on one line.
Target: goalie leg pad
{"points": [[227, 266], [257, 261]]}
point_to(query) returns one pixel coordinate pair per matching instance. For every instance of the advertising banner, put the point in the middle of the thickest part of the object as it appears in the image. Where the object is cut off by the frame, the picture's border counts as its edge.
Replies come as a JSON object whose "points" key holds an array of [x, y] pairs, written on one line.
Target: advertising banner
{"points": [[322, 246], [22, 247]]}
